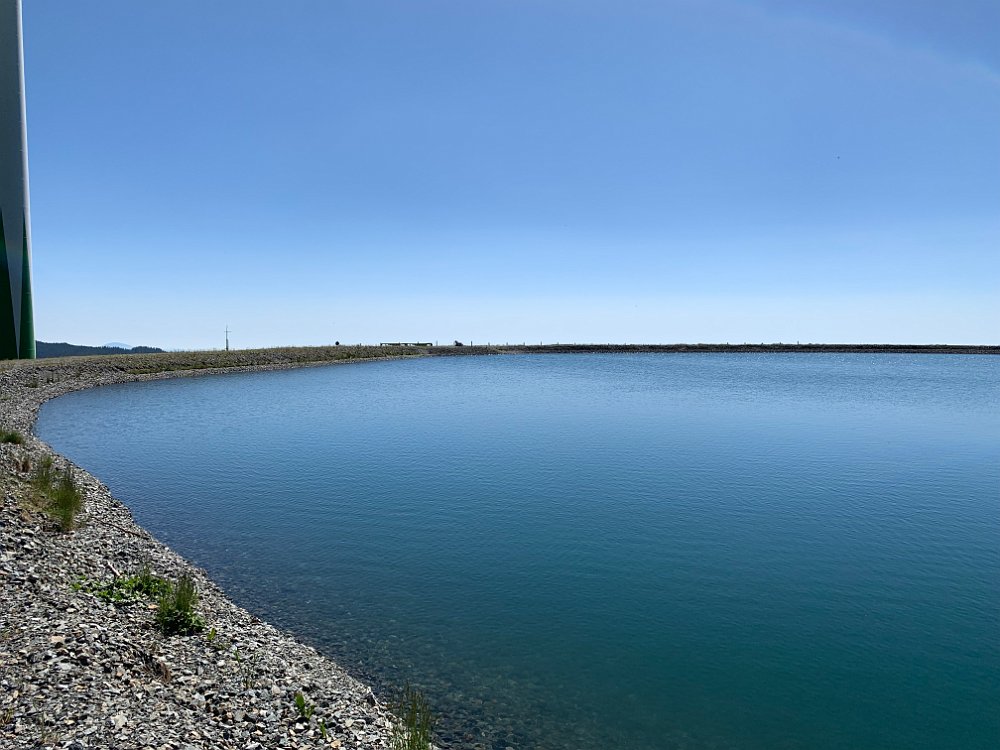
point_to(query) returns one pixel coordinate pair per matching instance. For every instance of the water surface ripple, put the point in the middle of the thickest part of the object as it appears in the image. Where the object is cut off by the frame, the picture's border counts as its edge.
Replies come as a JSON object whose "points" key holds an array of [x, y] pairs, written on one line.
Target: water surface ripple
{"points": [[601, 551]]}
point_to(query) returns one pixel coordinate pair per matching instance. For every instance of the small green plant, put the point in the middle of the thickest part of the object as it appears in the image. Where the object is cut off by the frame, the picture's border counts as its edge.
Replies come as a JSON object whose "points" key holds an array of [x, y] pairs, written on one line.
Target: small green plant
{"points": [[322, 729], [249, 668], [415, 727], [219, 642], [66, 501], [305, 709], [146, 584], [44, 475], [62, 498], [11, 436], [175, 614], [126, 589]]}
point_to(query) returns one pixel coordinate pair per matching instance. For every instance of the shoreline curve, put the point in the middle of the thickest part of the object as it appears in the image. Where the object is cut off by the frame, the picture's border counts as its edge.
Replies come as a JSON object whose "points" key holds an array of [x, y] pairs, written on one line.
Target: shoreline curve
{"points": [[79, 673]]}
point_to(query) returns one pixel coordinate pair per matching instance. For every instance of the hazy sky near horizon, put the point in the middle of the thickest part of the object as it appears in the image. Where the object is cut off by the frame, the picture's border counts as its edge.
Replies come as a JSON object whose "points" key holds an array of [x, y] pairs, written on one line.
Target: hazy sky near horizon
{"points": [[514, 170]]}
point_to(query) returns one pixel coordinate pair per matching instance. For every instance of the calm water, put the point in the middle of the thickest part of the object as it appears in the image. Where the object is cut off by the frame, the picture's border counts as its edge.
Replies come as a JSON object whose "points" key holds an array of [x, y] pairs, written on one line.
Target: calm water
{"points": [[589, 551]]}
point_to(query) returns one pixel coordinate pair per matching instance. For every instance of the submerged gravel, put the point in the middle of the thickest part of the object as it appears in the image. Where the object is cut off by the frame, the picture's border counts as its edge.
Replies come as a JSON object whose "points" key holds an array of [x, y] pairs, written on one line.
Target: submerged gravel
{"points": [[76, 672]]}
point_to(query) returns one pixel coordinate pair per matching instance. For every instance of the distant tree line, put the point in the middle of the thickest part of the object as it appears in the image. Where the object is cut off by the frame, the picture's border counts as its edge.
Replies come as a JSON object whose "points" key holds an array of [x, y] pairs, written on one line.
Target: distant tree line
{"points": [[46, 349]]}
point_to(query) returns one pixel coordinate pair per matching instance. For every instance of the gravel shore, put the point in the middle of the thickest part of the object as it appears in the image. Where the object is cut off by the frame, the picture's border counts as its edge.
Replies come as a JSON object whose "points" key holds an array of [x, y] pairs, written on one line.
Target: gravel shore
{"points": [[76, 672]]}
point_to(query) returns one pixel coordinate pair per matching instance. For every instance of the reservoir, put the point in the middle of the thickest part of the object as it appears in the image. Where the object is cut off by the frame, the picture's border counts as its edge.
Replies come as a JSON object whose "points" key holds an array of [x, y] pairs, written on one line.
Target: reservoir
{"points": [[573, 552]]}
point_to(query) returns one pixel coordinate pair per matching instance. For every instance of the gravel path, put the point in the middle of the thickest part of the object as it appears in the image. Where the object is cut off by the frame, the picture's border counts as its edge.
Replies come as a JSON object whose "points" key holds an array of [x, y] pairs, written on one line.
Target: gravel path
{"points": [[76, 672]]}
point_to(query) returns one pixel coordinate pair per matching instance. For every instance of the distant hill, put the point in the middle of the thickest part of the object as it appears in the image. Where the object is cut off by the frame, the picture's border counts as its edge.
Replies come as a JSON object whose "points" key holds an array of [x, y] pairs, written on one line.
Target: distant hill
{"points": [[44, 349]]}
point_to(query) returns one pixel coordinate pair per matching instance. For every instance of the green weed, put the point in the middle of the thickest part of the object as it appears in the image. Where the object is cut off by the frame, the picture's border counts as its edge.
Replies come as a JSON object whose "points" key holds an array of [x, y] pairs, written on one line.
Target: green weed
{"points": [[415, 727], [176, 614], [305, 709], [249, 669], [67, 501], [62, 498], [220, 642], [11, 436], [127, 589], [44, 474]]}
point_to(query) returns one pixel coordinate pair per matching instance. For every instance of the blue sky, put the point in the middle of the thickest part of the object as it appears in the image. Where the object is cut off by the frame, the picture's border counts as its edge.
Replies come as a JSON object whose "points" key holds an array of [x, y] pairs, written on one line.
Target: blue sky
{"points": [[514, 170]]}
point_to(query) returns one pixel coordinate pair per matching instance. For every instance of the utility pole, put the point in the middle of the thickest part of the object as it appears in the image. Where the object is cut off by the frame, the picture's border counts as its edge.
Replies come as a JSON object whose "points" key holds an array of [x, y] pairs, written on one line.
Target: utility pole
{"points": [[227, 338], [17, 330]]}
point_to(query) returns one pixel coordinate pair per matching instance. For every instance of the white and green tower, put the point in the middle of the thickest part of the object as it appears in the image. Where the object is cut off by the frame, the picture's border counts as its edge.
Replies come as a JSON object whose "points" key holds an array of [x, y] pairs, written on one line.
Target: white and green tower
{"points": [[17, 327]]}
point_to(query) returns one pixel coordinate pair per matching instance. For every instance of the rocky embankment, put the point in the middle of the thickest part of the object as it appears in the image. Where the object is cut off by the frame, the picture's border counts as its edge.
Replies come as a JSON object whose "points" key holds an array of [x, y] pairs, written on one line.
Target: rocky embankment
{"points": [[76, 672]]}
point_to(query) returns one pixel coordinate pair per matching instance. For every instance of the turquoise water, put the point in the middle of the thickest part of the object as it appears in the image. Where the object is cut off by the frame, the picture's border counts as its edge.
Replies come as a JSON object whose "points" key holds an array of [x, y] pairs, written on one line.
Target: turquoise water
{"points": [[601, 551]]}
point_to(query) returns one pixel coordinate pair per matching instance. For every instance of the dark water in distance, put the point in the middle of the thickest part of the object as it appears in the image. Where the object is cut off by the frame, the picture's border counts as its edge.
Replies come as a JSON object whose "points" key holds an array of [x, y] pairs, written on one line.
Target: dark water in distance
{"points": [[601, 551]]}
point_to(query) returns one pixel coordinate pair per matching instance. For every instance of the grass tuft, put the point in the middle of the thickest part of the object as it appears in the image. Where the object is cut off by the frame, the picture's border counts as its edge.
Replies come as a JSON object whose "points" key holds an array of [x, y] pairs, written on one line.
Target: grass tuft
{"points": [[250, 668], [44, 474], [415, 727], [176, 614], [11, 436], [67, 501], [62, 498]]}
